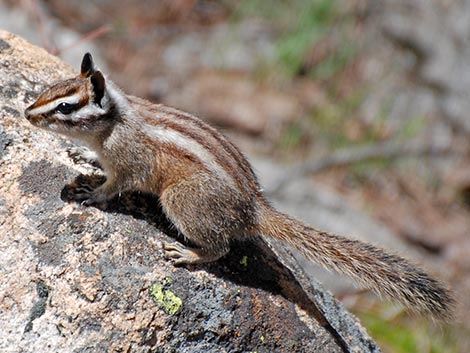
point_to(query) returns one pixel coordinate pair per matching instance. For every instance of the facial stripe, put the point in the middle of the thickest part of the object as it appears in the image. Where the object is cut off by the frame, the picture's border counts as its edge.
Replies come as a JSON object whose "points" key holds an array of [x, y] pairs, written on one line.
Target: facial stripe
{"points": [[85, 113], [74, 99], [70, 92]]}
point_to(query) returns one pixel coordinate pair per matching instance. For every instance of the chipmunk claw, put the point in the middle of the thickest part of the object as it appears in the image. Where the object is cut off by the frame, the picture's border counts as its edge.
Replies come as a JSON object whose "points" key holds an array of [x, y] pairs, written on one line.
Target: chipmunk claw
{"points": [[87, 196]]}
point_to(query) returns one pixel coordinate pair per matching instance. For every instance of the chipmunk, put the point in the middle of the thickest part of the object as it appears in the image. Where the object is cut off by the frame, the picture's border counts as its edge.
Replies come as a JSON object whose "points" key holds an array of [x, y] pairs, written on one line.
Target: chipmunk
{"points": [[206, 186]]}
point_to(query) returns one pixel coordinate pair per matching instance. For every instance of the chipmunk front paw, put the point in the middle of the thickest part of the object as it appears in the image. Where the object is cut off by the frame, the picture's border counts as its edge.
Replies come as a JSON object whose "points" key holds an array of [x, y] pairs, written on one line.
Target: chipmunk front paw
{"points": [[87, 192]]}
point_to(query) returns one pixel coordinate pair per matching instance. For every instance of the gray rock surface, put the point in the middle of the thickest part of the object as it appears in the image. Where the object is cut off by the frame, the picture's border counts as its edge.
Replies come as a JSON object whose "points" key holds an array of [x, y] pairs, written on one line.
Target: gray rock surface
{"points": [[76, 279]]}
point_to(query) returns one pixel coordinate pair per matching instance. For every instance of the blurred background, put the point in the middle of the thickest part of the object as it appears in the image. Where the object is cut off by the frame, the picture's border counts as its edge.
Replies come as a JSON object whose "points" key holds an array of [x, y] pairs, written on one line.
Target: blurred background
{"points": [[354, 114]]}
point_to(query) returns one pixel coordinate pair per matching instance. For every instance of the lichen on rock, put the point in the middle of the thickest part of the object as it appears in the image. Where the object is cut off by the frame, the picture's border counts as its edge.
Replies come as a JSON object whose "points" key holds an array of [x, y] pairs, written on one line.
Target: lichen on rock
{"points": [[166, 299]]}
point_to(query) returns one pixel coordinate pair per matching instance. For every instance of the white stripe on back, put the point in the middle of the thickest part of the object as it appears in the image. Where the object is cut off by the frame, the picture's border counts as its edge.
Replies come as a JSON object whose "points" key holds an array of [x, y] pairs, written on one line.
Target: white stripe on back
{"points": [[168, 135]]}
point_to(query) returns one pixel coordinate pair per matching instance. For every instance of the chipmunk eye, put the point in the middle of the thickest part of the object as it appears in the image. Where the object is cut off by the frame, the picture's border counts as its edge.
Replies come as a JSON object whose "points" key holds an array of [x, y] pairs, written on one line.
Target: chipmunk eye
{"points": [[66, 108]]}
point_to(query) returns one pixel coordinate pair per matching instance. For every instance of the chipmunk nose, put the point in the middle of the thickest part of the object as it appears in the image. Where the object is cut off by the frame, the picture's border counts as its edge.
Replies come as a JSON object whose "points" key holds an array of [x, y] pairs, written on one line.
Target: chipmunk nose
{"points": [[27, 113]]}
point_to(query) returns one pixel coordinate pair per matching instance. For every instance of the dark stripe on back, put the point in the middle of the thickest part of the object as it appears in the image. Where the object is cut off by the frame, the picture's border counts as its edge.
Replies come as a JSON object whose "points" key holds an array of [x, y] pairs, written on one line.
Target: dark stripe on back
{"points": [[228, 157], [193, 134], [198, 131], [230, 149], [226, 144]]}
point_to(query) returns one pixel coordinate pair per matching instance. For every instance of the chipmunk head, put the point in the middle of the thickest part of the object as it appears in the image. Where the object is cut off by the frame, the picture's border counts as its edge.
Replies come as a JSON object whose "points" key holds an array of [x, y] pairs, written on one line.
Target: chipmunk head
{"points": [[73, 106]]}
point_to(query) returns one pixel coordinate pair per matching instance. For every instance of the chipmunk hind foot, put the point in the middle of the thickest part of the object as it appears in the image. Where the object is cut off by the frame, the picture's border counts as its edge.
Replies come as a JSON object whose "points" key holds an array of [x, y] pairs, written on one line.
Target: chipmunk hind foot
{"points": [[183, 255]]}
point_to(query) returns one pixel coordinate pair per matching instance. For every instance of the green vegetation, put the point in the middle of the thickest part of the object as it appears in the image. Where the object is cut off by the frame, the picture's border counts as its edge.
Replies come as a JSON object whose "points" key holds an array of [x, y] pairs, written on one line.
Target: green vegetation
{"points": [[312, 23], [303, 24], [405, 334], [331, 121], [292, 137]]}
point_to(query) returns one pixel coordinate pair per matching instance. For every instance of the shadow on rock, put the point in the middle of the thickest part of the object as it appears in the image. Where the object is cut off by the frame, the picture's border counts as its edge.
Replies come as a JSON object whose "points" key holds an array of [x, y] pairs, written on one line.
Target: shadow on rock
{"points": [[249, 263]]}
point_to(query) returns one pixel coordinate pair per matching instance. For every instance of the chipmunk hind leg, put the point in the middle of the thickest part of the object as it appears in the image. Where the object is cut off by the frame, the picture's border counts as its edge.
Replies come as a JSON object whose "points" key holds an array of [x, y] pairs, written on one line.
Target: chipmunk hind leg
{"points": [[203, 217]]}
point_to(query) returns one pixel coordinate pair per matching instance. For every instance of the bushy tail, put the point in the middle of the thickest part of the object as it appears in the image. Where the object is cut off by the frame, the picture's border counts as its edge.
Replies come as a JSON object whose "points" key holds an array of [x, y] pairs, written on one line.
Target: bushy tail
{"points": [[370, 266]]}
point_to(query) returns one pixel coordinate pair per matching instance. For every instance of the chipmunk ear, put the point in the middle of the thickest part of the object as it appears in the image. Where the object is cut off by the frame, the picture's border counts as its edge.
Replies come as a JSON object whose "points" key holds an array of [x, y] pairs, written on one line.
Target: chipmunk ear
{"points": [[88, 67], [98, 83]]}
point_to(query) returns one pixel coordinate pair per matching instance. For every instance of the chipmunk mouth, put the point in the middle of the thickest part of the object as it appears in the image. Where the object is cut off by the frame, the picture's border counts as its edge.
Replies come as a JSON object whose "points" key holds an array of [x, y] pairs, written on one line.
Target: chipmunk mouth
{"points": [[39, 120], [34, 119]]}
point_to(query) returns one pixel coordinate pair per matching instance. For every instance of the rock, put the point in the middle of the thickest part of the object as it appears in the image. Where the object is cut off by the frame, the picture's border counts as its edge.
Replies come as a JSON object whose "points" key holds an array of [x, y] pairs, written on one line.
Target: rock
{"points": [[77, 279]]}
